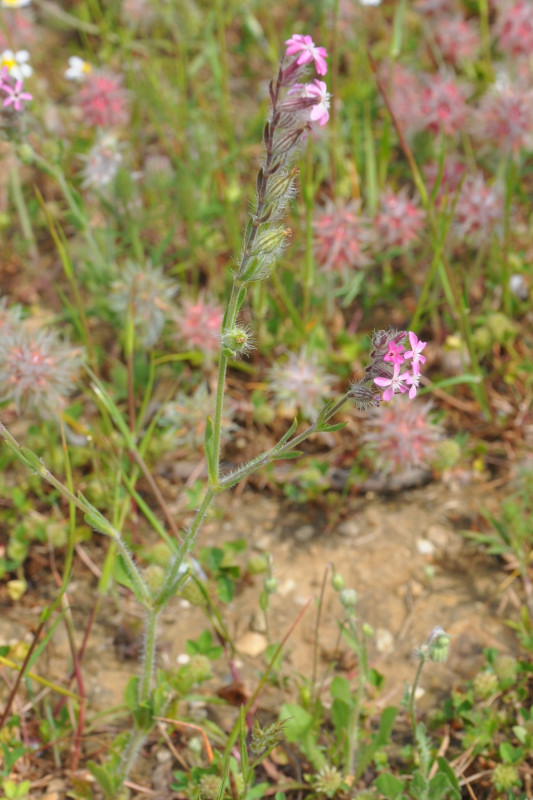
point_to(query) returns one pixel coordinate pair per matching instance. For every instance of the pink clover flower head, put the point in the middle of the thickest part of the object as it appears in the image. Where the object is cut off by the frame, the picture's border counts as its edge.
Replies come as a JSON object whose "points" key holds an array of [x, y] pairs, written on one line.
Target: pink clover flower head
{"points": [[300, 383], [399, 220], [478, 211], [199, 324], [341, 237], [435, 8], [185, 418], [103, 100], [37, 370], [405, 92], [415, 353], [505, 118], [308, 51], [401, 434], [394, 384], [442, 105], [15, 95], [457, 39], [515, 29]]}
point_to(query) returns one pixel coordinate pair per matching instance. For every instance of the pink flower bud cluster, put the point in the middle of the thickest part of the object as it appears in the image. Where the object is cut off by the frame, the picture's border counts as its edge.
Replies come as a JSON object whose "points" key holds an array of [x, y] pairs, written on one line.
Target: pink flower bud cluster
{"points": [[13, 89]]}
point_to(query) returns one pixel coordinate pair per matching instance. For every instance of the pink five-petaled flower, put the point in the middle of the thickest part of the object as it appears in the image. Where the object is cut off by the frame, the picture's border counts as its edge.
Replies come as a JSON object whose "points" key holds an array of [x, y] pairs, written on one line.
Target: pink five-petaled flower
{"points": [[308, 52], [319, 112], [412, 379], [416, 352], [395, 353], [395, 384], [15, 95]]}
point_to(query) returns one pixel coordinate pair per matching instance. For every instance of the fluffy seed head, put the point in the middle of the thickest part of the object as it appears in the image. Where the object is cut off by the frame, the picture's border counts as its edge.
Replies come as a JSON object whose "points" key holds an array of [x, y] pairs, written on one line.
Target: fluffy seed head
{"points": [[505, 118], [37, 370], [149, 293], [478, 211], [101, 163], [514, 29], [300, 383]]}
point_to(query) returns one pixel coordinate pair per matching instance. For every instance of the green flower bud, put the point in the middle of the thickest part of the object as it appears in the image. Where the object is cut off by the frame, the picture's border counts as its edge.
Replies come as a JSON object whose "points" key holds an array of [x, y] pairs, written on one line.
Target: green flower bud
{"points": [[258, 564], [271, 584], [199, 668], [209, 786], [237, 341], [348, 598], [328, 781], [16, 588], [191, 592], [337, 582], [438, 645], [271, 241], [154, 577]]}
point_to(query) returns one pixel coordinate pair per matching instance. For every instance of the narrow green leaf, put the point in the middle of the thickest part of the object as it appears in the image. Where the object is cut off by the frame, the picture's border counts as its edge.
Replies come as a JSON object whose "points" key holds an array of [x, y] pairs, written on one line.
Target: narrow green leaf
{"points": [[290, 454]]}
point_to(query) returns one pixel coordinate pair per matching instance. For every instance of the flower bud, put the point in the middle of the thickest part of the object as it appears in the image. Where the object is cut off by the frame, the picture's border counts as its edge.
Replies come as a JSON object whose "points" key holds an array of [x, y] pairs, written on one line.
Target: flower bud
{"points": [[271, 584], [236, 342], [438, 645], [280, 187], [348, 598], [337, 582], [271, 242]]}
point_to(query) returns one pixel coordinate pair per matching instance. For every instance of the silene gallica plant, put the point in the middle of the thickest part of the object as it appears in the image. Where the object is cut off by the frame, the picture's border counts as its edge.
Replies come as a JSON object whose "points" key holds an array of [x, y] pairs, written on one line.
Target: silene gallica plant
{"points": [[297, 105]]}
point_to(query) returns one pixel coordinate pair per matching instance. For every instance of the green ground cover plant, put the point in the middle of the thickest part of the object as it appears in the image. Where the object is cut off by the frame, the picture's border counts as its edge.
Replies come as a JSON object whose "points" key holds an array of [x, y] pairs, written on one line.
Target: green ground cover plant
{"points": [[149, 314]]}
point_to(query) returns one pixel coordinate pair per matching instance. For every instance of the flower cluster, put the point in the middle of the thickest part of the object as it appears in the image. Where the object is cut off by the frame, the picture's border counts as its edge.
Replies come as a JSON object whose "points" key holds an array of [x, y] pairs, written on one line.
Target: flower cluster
{"points": [[300, 383], [103, 101], [388, 358], [295, 107]]}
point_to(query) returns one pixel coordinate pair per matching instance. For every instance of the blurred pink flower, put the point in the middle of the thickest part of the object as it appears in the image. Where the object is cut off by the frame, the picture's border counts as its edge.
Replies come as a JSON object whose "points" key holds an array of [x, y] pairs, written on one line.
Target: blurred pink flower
{"points": [[304, 45], [404, 90], [13, 90], [320, 111], [450, 179], [401, 434], [436, 8], [341, 237], [457, 39], [514, 29], [505, 119], [103, 100], [399, 220], [478, 211], [199, 324], [442, 105], [37, 370]]}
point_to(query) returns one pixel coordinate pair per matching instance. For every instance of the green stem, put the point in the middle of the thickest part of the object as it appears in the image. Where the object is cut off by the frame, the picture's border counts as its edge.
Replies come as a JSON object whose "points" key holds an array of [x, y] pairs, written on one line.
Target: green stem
{"points": [[411, 705], [148, 663]]}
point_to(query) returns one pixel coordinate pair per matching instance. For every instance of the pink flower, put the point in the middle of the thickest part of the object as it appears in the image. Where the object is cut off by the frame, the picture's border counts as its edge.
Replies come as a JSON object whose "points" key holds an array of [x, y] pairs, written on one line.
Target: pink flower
{"points": [[505, 118], [103, 100], [300, 382], [308, 52], [478, 211], [14, 95], [395, 353], [405, 91], [412, 379], [442, 105], [399, 221], [199, 324], [341, 237], [395, 383], [320, 111], [415, 353], [401, 434], [515, 29], [457, 40]]}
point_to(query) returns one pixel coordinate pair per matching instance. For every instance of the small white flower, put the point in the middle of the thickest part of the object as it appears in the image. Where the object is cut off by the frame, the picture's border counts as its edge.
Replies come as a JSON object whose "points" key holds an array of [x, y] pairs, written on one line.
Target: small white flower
{"points": [[14, 3], [369, 2], [78, 69], [16, 63]]}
